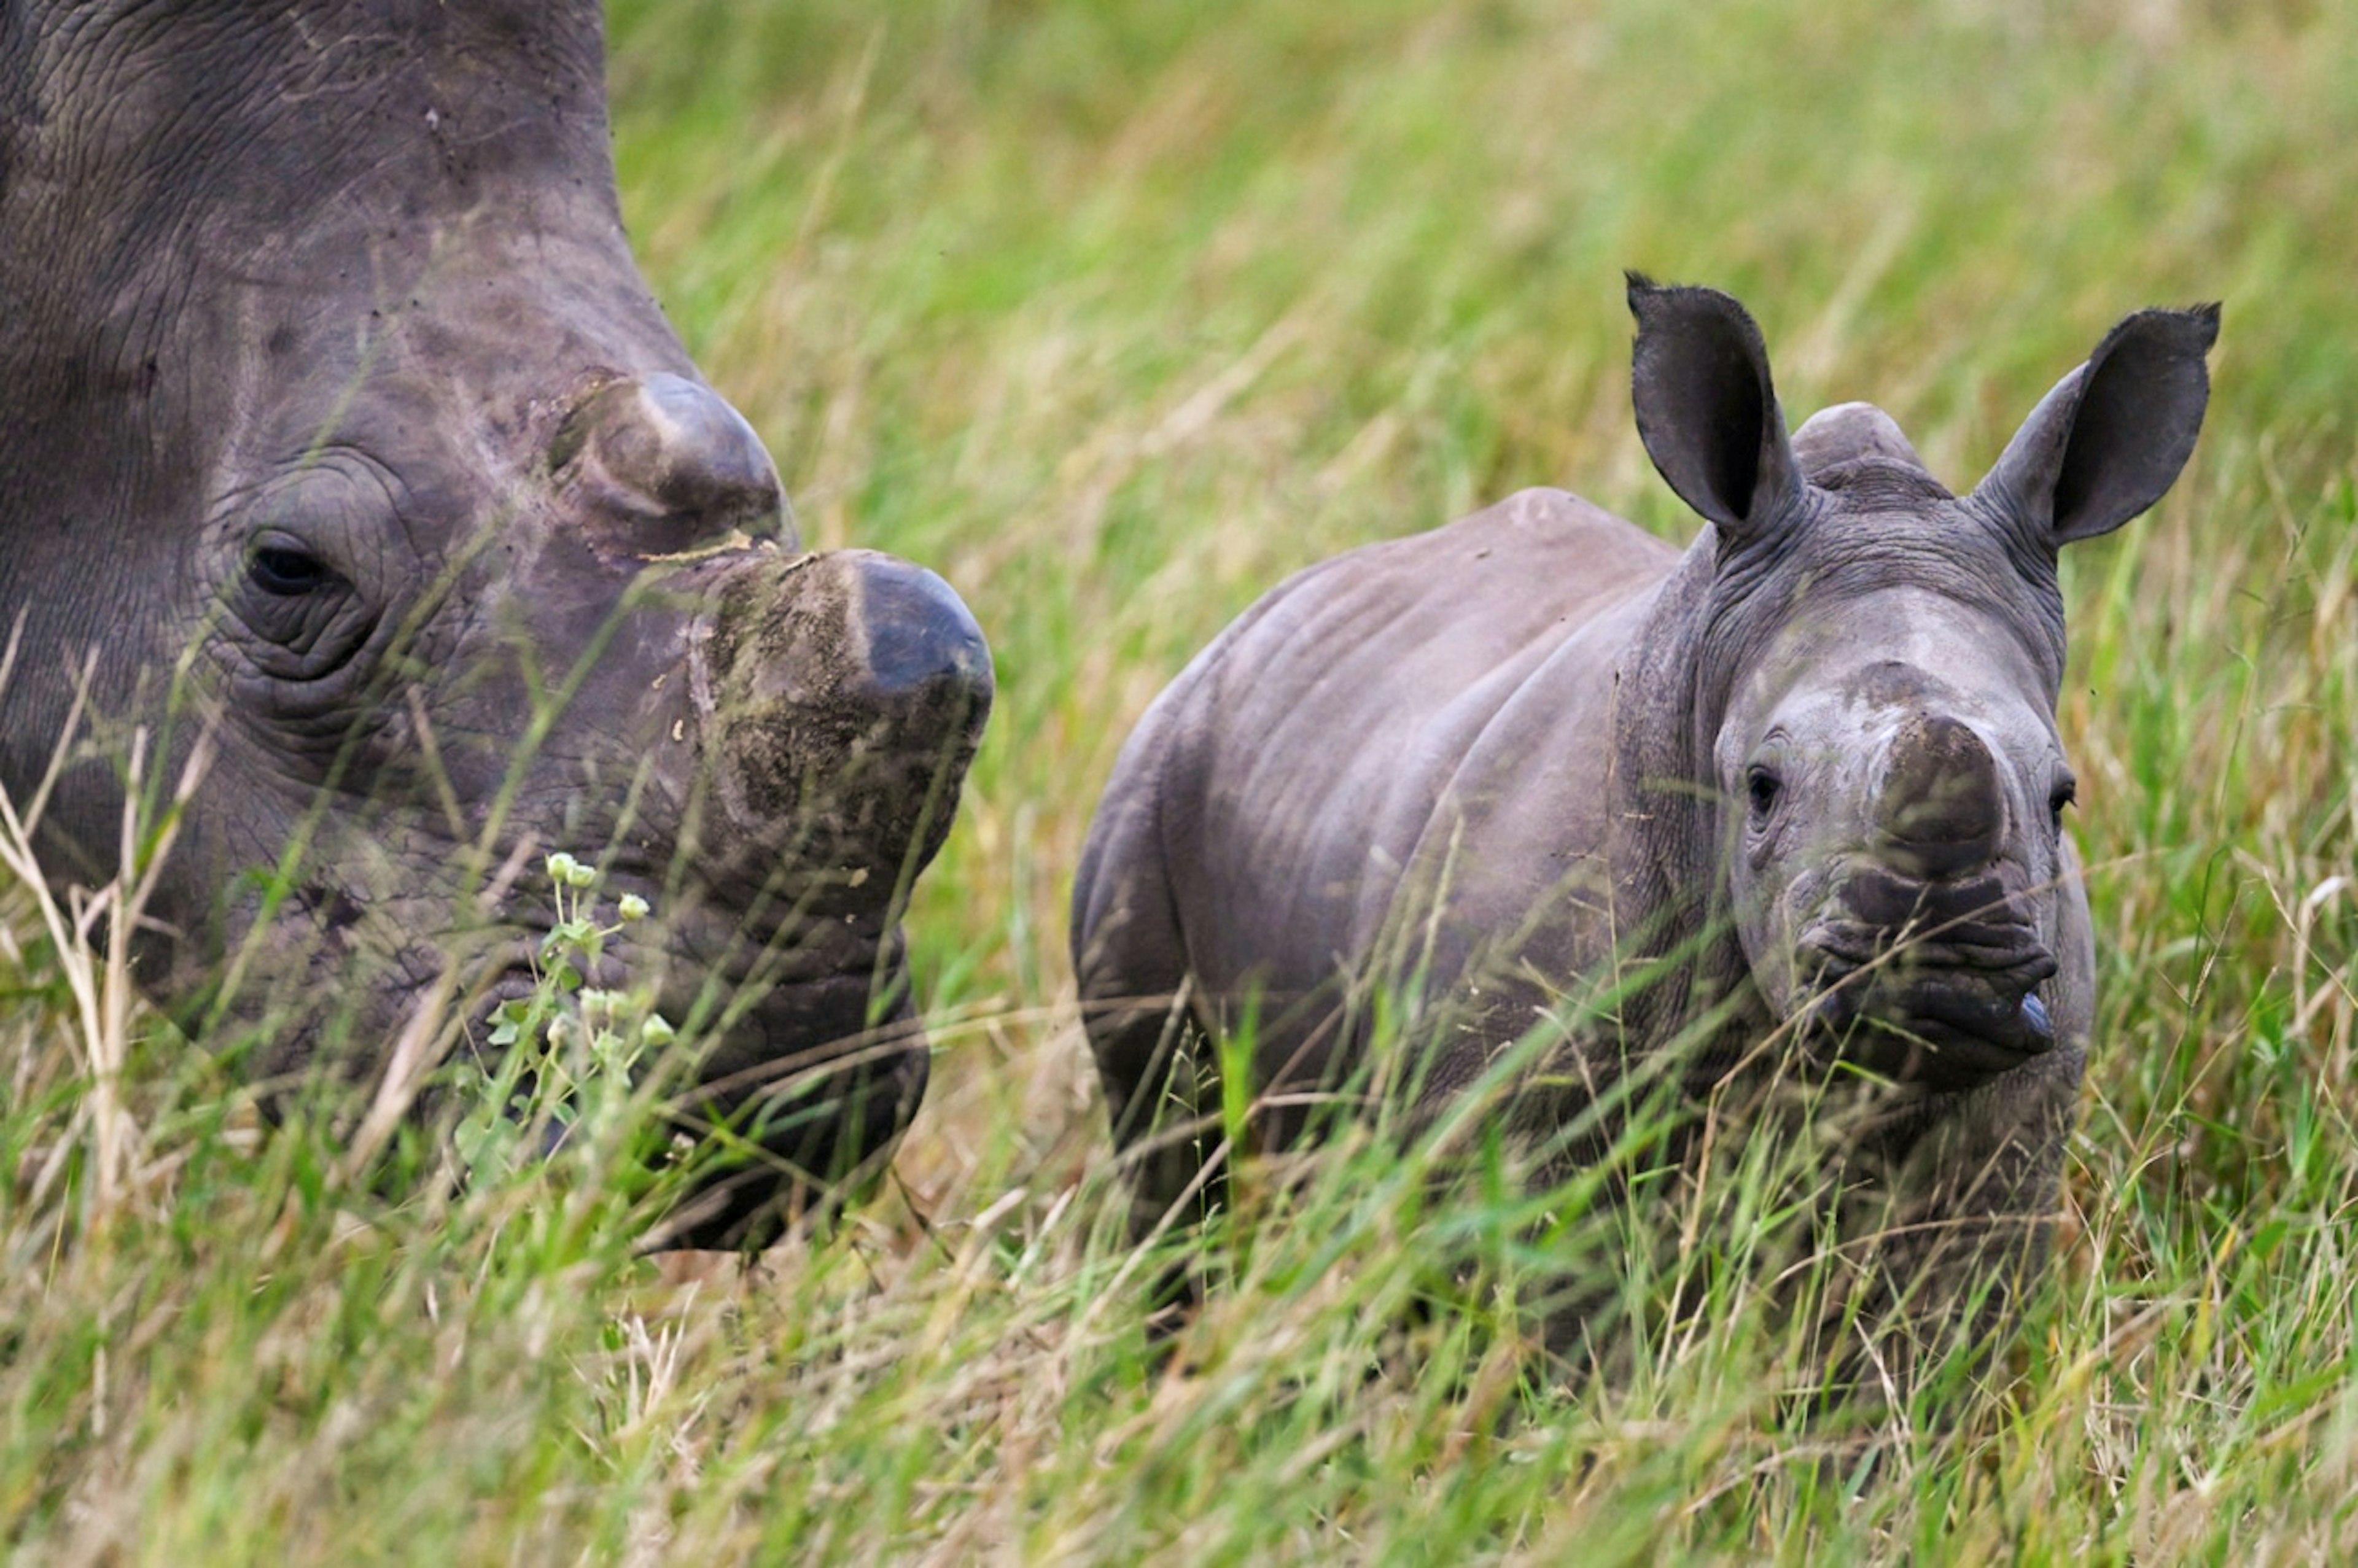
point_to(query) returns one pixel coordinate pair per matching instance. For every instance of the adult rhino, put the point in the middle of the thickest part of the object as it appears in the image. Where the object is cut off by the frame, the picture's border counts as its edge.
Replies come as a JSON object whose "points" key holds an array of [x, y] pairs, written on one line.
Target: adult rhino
{"points": [[1554, 781], [327, 381]]}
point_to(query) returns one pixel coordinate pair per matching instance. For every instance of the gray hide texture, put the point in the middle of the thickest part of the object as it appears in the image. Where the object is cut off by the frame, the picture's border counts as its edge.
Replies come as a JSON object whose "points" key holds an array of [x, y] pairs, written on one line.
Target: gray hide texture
{"points": [[337, 428], [1790, 800]]}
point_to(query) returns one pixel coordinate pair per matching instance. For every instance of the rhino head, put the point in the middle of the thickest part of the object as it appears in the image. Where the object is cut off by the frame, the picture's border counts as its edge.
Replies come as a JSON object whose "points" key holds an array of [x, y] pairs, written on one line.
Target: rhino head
{"points": [[337, 424], [1879, 666]]}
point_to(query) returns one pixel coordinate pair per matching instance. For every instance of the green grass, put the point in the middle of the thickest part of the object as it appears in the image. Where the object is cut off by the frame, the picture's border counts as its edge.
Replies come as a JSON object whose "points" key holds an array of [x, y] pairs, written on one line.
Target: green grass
{"points": [[1114, 315]]}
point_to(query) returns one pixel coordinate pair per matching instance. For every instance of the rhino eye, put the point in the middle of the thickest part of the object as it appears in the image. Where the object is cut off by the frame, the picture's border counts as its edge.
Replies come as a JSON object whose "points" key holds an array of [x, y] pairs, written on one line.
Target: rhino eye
{"points": [[1762, 788], [286, 573]]}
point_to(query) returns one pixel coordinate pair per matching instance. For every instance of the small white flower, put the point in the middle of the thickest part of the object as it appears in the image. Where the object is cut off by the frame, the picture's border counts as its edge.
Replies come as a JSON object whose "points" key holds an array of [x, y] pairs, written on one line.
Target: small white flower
{"points": [[634, 907]]}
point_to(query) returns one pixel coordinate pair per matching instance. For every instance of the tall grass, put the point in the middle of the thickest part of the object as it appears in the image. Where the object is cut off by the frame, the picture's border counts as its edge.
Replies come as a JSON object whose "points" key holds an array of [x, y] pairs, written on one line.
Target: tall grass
{"points": [[1114, 315]]}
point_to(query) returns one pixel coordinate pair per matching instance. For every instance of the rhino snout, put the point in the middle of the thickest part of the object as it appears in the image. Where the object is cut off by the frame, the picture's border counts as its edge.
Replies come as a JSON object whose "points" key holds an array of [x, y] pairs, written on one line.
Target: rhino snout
{"points": [[1941, 808], [837, 700]]}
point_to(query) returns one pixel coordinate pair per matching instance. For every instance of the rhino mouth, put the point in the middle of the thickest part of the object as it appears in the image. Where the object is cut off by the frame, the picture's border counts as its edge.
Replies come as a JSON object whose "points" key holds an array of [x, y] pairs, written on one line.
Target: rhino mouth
{"points": [[799, 1064], [1948, 1013], [801, 1101]]}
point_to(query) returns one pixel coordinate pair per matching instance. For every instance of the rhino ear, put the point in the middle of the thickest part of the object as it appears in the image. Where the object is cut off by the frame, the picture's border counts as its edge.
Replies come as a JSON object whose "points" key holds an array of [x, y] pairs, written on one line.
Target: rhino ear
{"points": [[2110, 440], [1706, 409]]}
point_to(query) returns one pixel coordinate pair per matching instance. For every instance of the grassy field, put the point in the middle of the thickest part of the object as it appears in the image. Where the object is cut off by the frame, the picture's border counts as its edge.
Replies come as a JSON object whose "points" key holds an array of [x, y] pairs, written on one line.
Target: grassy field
{"points": [[1115, 314]]}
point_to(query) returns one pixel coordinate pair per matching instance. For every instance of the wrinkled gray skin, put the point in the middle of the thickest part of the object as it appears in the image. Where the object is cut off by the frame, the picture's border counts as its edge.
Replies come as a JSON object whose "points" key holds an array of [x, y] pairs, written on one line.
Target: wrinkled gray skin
{"points": [[1799, 784], [326, 371]]}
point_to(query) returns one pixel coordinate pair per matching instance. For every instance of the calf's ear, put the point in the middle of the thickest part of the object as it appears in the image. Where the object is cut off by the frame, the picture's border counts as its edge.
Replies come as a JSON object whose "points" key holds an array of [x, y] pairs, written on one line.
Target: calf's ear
{"points": [[2110, 440], [1708, 410]]}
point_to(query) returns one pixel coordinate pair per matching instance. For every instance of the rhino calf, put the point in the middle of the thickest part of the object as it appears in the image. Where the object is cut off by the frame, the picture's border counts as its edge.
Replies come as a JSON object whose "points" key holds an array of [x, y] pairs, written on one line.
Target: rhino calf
{"points": [[1556, 782], [329, 394]]}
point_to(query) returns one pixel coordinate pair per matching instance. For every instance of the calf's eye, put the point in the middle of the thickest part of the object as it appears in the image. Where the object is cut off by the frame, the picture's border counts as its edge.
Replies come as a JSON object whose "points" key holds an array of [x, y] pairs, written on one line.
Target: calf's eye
{"points": [[1762, 788]]}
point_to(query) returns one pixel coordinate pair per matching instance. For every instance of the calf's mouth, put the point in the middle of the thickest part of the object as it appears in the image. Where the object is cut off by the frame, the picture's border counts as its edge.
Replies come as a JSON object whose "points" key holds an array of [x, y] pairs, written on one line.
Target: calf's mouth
{"points": [[1924, 984]]}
